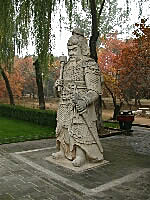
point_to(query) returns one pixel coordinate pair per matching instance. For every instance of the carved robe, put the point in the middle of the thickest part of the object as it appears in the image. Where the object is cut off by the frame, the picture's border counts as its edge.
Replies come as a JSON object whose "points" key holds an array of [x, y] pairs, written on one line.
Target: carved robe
{"points": [[80, 76]]}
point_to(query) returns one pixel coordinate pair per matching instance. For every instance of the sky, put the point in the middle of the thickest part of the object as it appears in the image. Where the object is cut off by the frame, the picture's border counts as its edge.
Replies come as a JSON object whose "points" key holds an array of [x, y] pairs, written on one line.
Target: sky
{"points": [[59, 43]]}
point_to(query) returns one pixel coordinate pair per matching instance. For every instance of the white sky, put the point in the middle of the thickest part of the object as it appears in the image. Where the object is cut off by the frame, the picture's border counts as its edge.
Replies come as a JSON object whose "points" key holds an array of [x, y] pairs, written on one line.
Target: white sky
{"points": [[61, 38], [59, 43]]}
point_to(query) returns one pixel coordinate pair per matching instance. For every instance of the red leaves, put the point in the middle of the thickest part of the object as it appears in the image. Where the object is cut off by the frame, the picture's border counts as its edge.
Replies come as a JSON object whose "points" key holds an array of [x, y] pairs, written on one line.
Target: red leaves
{"points": [[19, 77], [131, 59]]}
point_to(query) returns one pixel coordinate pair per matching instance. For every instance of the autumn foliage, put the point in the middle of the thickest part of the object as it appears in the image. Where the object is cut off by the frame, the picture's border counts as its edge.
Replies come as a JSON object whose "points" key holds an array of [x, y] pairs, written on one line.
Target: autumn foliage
{"points": [[21, 78], [16, 81], [112, 47], [126, 64], [28, 73]]}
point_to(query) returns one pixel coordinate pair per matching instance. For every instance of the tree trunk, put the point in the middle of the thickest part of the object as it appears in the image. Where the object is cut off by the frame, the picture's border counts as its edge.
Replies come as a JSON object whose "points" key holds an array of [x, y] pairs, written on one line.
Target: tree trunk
{"points": [[93, 54], [98, 109], [39, 85], [117, 110], [8, 87], [137, 101], [95, 33], [116, 107]]}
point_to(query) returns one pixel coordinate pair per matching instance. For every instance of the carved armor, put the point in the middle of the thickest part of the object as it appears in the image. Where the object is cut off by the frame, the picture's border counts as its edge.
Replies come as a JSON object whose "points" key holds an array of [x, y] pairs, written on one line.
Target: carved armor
{"points": [[76, 117]]}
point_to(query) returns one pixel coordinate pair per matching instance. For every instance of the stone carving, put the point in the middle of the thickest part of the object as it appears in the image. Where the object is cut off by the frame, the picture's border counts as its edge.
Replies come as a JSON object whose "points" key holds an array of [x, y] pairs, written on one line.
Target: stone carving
{"points": [[79, 85]]}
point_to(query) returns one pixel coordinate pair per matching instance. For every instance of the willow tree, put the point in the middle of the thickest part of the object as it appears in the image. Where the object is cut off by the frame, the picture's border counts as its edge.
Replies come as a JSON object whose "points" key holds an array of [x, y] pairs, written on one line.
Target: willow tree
{"points": [[7, 41], [34, 21], [38, 14], [21, 19]]}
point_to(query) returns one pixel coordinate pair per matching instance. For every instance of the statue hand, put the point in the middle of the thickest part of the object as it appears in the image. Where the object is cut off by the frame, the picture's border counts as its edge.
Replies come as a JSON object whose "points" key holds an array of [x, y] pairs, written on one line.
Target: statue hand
{"points": [[79, 102], [81, 105]]}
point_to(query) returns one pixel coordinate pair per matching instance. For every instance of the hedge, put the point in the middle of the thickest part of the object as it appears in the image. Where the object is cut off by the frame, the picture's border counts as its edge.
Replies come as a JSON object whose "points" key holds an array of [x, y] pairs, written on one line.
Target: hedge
{"points": [[41, 117]]}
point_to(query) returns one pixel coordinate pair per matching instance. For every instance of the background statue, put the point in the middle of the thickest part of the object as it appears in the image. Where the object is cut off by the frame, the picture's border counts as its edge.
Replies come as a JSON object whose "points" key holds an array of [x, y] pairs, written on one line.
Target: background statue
{"points": [[79, 86]]}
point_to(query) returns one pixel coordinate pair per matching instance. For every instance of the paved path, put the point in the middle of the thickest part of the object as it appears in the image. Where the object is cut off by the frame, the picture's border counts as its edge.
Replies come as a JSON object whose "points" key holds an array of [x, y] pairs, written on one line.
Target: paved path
{"points": [[26, 175]]}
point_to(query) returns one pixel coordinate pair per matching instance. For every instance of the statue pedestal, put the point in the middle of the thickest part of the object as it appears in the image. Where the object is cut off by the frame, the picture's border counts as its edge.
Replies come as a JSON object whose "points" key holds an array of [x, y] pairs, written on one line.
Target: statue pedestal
{"points": [[68, 164]]}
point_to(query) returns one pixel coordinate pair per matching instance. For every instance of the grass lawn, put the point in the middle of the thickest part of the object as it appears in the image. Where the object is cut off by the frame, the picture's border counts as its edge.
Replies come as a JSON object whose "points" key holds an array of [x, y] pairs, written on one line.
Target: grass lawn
{"points": [[111, 125], [17, 130], [12, 130]]}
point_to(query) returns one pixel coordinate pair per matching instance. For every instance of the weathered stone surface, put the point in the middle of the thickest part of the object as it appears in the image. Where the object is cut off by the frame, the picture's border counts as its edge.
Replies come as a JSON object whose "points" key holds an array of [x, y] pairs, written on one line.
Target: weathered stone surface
{"points": [[78, 86], [67, 164]]}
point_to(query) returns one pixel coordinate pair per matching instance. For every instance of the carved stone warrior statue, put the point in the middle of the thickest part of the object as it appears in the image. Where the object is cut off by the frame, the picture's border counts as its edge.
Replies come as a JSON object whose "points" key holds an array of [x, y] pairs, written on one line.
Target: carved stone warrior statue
{"points": [[79, 86]]}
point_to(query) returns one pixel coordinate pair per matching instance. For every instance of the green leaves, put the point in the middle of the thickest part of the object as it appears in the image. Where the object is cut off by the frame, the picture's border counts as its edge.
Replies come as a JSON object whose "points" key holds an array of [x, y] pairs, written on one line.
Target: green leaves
{"points": [[7, 27], [21, 19]]}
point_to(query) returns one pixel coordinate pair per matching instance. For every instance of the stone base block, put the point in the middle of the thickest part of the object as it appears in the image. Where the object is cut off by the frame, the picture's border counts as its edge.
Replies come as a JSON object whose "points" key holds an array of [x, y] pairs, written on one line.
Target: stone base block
{"points": [[68, 164]]}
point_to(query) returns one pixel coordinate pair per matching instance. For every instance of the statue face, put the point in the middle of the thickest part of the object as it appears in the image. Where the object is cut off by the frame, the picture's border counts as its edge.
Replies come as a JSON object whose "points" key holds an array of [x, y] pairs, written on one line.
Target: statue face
{"points": [[74, 51]]}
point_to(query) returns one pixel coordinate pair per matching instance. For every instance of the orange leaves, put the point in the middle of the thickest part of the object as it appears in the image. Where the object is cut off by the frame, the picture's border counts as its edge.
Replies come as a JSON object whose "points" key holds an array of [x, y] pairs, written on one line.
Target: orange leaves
{"points": [[107, 60], [126, 64], [16, 82], [55, 68], [28, 73], [21, 76], [2, 88]]}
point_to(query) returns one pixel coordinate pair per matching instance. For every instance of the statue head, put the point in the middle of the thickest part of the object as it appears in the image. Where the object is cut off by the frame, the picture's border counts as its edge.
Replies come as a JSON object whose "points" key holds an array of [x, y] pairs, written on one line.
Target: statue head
{"points": [[78, 31], [77, 44]]}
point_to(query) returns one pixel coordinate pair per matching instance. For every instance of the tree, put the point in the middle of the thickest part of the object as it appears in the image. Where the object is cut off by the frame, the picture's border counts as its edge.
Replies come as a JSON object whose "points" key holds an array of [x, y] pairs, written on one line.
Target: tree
{"points": [[7, 27], [11, 98], [20, 18], [15, 79], [134, 59], [96, 8], [42, 28], [28, 73], [15, 27], [51, 77], [106, 60], [126, 66], [39, 81]]}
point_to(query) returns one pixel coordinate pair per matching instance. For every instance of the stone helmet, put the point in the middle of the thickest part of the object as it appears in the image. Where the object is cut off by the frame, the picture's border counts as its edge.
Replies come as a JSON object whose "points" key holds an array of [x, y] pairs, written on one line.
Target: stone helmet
{"points": [[78, 31], [78, 38]]}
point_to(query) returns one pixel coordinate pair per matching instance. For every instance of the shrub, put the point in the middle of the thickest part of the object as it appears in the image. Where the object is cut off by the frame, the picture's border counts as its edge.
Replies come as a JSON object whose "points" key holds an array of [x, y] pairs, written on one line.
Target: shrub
{"points": [[41, 117]]}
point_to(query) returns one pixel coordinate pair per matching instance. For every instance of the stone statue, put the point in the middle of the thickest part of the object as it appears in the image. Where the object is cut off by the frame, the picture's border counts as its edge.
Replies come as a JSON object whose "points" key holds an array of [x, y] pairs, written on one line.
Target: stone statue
{"points": [[79, 86]]}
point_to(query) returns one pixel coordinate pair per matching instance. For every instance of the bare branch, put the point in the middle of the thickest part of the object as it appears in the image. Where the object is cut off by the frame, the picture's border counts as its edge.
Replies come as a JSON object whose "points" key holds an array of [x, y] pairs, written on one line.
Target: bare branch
{"points": [[101, 9]]}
